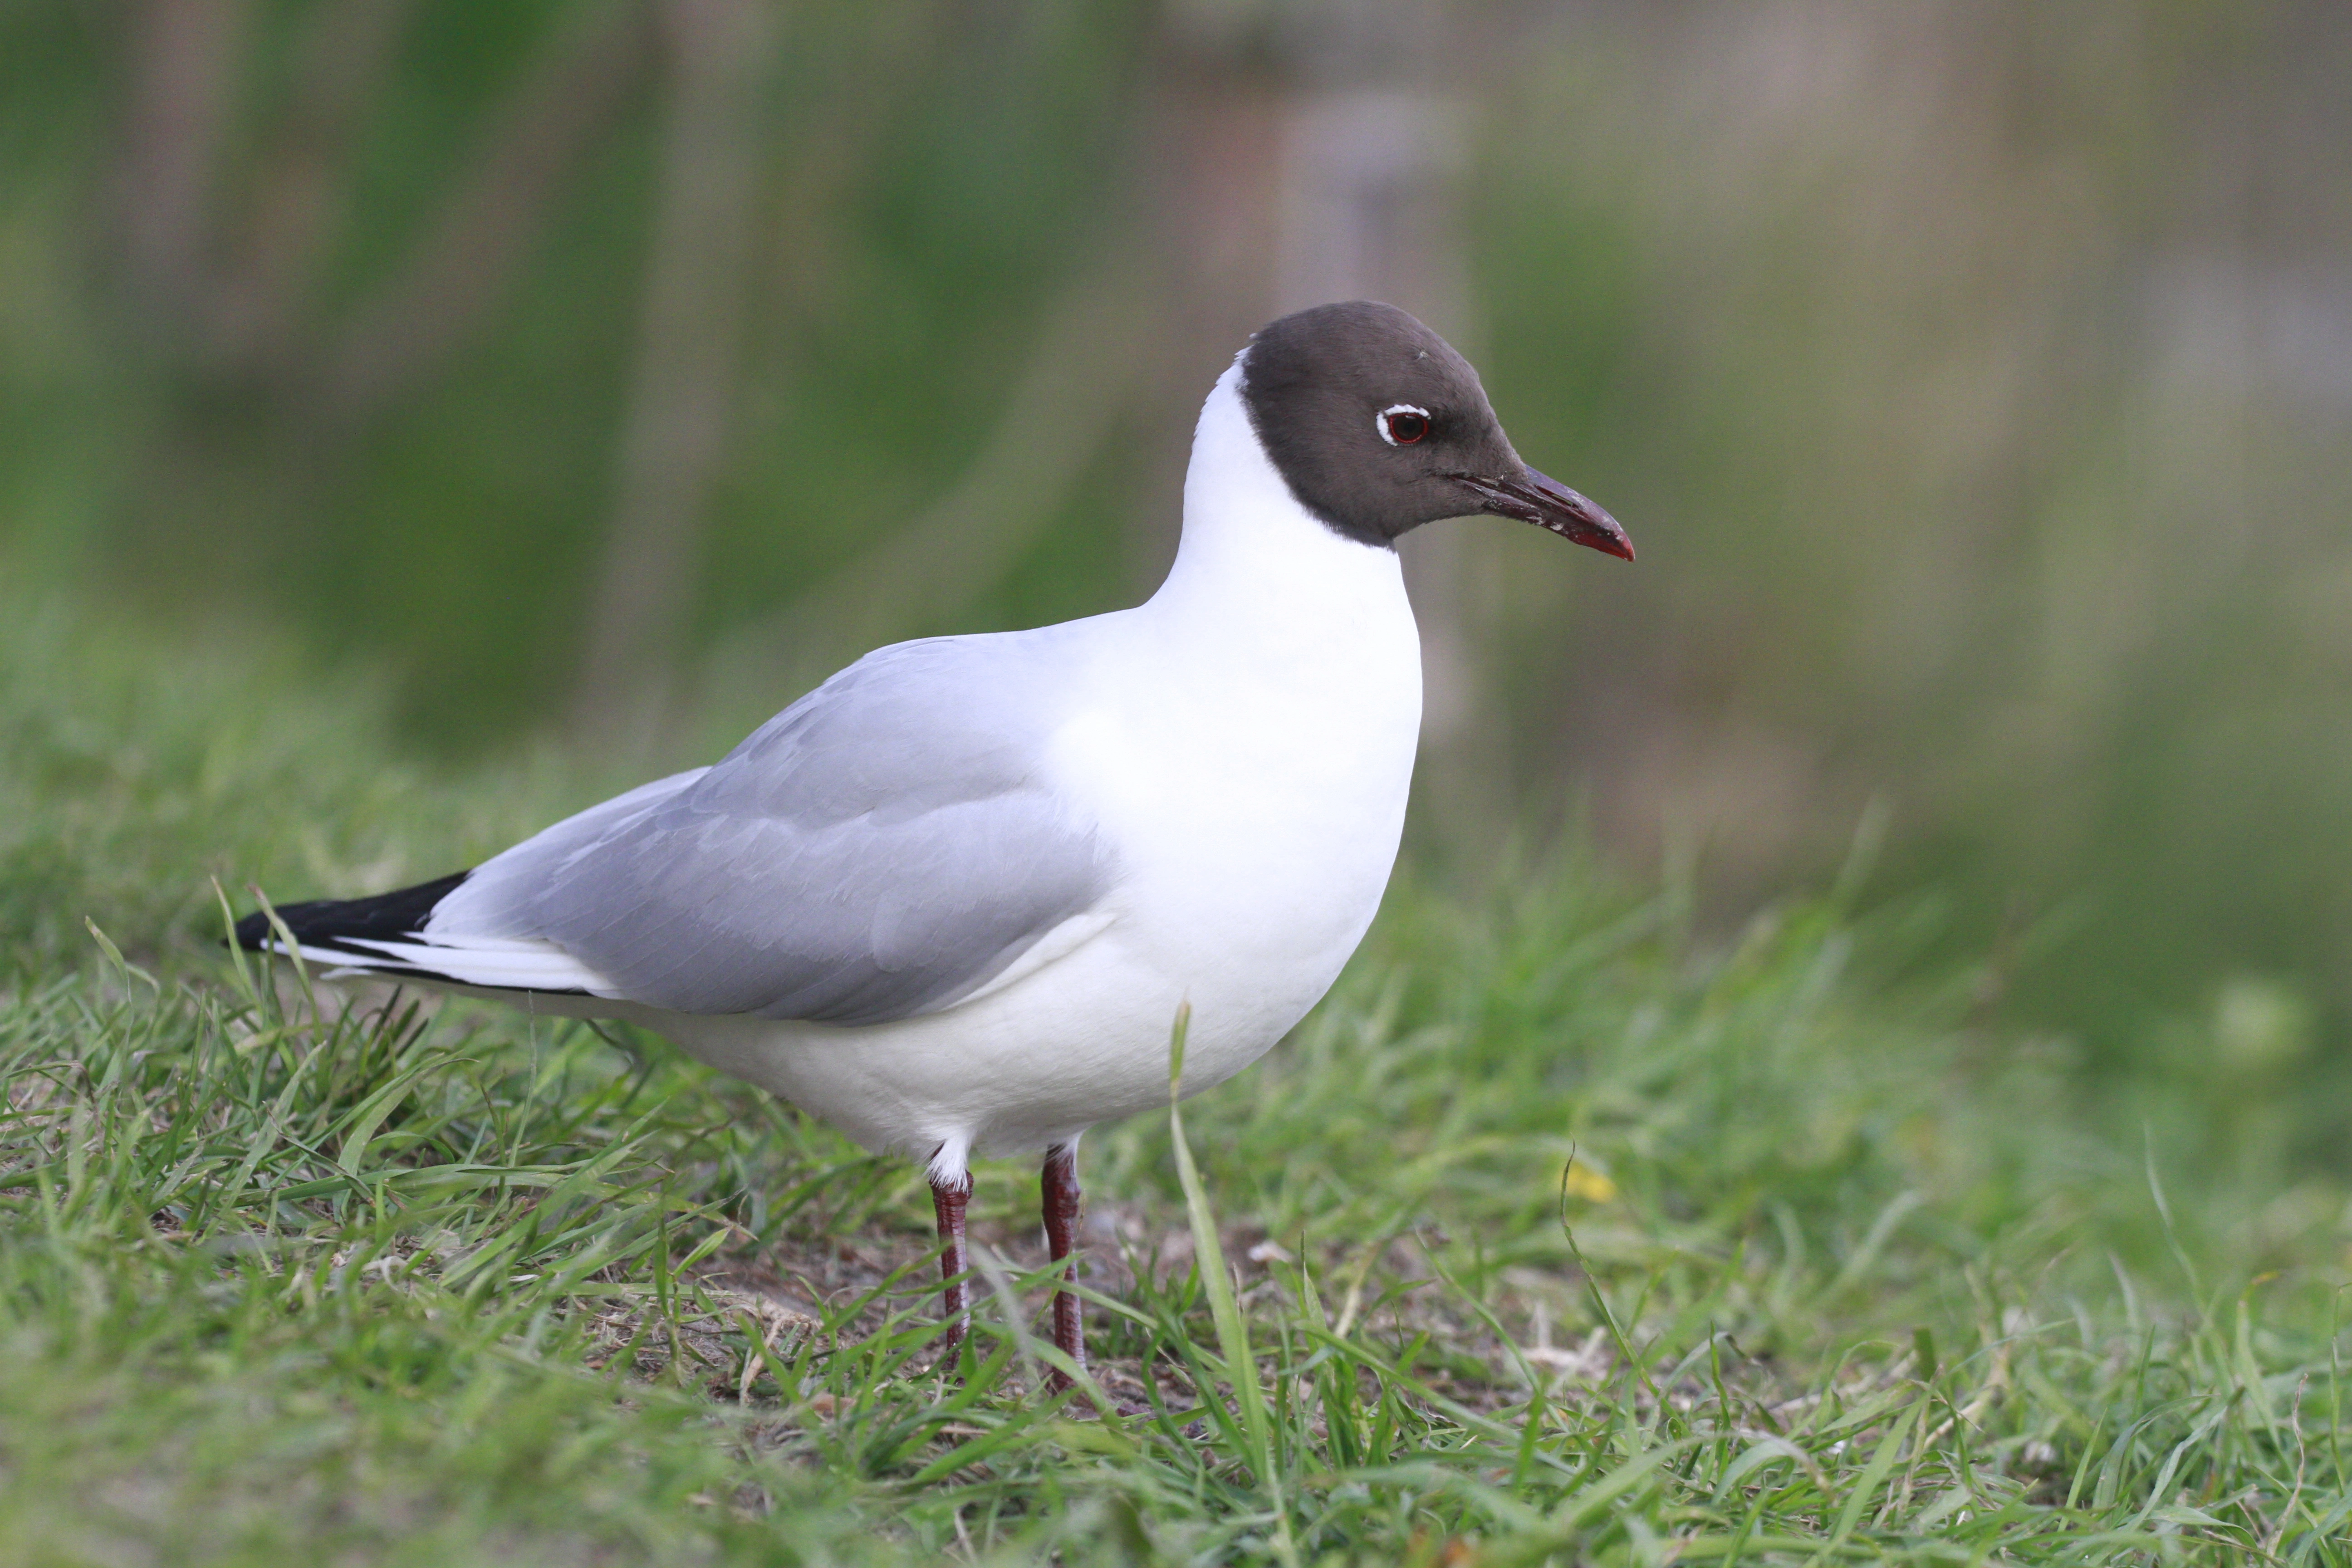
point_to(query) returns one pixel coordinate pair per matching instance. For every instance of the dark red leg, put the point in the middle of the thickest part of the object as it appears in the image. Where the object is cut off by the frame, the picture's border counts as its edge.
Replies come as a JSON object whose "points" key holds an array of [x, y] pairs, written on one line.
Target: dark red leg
{"points": [[1061, 1191], [948, 1202]]}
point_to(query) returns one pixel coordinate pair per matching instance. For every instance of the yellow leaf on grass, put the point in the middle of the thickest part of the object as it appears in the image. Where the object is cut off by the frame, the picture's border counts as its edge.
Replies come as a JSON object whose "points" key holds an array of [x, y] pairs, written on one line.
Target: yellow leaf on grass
{"points": [[1584, 1182]]}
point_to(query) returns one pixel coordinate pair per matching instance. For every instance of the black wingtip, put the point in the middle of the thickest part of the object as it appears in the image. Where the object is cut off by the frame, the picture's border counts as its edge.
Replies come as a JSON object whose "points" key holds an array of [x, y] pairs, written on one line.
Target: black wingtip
{"points": [[328, 922], [250, 932]]}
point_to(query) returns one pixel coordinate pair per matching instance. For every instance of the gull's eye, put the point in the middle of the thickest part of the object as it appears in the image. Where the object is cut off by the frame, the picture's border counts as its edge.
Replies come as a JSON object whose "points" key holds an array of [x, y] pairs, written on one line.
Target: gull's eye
{"points": [[1402, 425]]}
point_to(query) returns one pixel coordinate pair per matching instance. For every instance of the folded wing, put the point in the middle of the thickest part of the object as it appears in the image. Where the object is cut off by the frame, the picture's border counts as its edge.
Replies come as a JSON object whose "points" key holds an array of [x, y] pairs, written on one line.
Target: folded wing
{"points": [[881, 848]]}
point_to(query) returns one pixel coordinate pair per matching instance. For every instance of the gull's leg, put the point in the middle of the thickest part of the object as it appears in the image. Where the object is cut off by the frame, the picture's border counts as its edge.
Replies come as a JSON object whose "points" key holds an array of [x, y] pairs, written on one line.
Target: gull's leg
{"points": [[1061, 1194], [948, 1199]]}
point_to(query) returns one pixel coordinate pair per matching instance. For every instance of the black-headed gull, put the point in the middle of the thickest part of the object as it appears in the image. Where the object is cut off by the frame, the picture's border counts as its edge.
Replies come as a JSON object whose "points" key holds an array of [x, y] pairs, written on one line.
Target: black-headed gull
{"points": [[951, 900]]}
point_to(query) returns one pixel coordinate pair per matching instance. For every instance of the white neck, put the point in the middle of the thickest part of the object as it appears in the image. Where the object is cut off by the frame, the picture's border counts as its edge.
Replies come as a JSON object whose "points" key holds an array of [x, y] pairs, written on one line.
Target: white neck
{"points": [[1249, 546]]}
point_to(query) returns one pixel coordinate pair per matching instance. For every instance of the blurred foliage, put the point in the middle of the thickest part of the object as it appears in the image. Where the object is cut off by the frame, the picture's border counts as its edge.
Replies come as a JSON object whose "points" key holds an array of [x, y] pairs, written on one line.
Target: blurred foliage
{"points": [[1971, 377]]}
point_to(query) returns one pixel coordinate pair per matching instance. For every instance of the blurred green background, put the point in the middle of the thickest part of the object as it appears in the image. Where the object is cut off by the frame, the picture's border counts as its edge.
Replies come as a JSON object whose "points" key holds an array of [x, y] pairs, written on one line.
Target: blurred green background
{"points": [[1975, 378]]}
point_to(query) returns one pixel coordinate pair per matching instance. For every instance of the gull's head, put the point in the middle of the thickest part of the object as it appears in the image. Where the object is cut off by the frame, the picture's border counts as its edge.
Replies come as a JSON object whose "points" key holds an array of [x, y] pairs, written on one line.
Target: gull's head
{"points": [[1378, 427]]}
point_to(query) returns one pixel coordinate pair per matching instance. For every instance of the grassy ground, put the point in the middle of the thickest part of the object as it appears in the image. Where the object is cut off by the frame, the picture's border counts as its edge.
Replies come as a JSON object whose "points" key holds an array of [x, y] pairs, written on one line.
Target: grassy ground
{"points": [[1559, 1233]]}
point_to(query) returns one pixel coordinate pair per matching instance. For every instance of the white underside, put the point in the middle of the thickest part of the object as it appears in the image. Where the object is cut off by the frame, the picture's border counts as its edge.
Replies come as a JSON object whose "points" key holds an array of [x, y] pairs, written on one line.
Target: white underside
{"points": [[1242, 743]]}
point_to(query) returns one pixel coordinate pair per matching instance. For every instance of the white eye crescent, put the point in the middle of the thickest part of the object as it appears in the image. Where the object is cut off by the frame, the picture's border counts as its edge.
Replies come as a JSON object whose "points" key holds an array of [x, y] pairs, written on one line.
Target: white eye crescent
{"points": [[1402, 423]]}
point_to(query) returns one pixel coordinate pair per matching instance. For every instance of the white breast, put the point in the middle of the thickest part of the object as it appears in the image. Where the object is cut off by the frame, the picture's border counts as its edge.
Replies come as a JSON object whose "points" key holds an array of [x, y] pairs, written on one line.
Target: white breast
{"points": [[1243, 745], [1251, 747]]}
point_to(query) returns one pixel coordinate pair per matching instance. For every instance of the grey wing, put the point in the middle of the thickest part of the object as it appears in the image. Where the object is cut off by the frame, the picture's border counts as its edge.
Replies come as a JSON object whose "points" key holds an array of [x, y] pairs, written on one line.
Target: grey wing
{"points": [[879, 849]]}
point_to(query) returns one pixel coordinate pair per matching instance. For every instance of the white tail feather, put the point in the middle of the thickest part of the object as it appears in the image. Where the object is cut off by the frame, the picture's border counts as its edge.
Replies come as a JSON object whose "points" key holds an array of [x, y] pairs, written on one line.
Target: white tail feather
{"points": [[499, 963]]}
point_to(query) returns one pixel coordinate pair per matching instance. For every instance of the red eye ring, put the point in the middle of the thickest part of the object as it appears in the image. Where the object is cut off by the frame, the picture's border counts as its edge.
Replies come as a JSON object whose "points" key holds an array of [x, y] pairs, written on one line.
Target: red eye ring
{"points": [[1401, 425]]}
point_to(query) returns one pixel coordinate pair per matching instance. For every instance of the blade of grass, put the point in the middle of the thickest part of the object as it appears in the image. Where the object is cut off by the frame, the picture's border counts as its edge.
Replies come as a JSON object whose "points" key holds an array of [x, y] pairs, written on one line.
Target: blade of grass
{"points": [[1224, 1308]]}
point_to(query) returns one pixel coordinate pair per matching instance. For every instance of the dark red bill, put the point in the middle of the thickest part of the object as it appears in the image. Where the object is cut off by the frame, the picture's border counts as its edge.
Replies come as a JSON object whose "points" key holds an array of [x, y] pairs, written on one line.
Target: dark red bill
{"points": [[1532, 497]]}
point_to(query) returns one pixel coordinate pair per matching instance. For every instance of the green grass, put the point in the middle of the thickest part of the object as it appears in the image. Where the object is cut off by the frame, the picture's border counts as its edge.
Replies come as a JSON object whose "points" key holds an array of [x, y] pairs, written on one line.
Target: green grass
{"points": [[1561, 1233]]}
